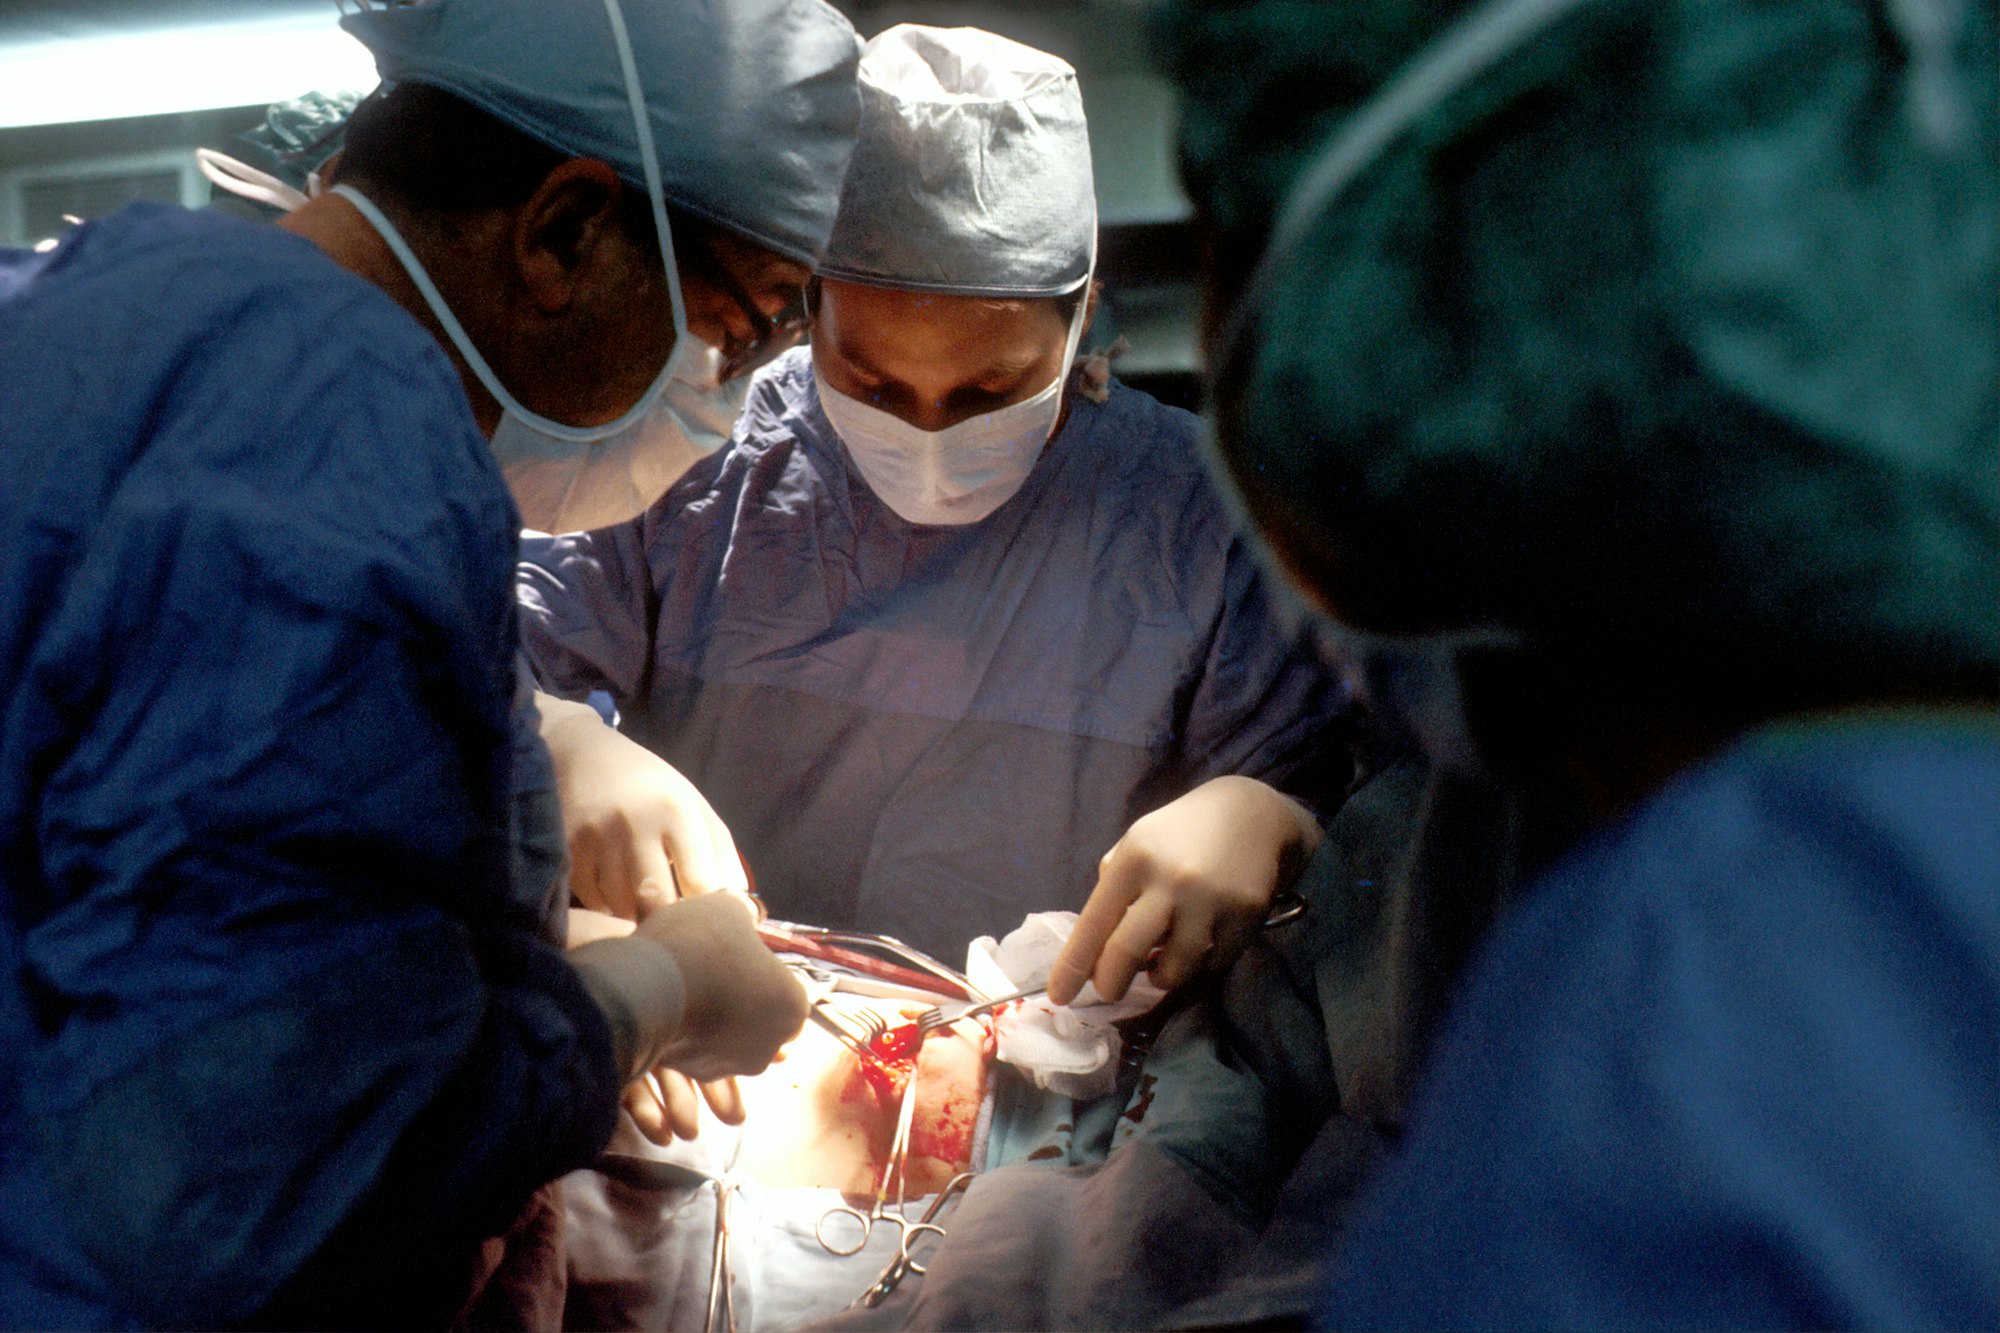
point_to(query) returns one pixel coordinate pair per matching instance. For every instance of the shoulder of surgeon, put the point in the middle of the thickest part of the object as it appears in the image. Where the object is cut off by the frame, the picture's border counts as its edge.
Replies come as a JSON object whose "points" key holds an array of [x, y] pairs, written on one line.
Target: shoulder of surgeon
{"points": [[780, 403], [1137, 434], [166, 311]]}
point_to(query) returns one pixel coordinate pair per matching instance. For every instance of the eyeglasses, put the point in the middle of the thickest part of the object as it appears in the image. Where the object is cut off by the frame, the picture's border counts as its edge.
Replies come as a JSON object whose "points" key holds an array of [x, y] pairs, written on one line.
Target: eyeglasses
{"points": [[770, 336]]}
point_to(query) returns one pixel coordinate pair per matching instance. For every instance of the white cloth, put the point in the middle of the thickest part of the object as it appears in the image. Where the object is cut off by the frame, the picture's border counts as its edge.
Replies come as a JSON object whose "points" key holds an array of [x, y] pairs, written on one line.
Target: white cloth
{"points": [[1069, 1049], [972, 172]]}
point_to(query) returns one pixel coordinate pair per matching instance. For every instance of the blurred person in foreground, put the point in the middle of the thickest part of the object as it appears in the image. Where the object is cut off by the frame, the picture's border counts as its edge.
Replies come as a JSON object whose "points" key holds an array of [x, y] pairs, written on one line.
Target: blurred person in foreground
{"points": [[1622, 382], [1618, 381]]}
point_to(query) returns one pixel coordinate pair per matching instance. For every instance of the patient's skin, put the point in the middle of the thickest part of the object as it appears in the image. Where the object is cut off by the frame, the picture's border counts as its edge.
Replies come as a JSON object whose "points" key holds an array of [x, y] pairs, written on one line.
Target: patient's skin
{"points": [[816, 1118]]}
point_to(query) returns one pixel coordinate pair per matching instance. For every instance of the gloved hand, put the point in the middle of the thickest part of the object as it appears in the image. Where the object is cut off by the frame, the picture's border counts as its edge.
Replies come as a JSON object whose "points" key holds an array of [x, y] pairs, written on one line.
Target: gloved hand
{"points": [[1190, 880], [694, 989], [742, 1004], [639, 834], [661, 1100], [663, 1106]]}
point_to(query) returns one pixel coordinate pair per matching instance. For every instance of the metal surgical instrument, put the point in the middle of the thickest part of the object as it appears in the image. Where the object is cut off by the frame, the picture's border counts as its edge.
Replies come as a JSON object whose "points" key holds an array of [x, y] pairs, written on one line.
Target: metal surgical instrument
{"points": [[899, 1151], [822, 1015], [903, 1264], [943, 1015], [721, 1294], [846, 946]]}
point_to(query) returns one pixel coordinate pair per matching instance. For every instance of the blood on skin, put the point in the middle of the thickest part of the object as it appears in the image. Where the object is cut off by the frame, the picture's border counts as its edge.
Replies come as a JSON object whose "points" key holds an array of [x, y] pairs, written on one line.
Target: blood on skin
{"points": [[895, 1059], [825, 1117], [942, 1131]]}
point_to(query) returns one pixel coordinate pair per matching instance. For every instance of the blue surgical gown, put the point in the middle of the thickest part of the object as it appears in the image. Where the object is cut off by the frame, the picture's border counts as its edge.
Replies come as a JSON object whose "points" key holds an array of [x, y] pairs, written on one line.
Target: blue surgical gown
{"points": [[280, 1030], [931, 731], [1733, 1064]]}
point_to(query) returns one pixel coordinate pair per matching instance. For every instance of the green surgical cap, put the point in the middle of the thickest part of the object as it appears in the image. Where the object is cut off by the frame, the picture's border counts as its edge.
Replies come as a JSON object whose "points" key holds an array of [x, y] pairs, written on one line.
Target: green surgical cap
{"points": [[1663, 332], [298, 136]]}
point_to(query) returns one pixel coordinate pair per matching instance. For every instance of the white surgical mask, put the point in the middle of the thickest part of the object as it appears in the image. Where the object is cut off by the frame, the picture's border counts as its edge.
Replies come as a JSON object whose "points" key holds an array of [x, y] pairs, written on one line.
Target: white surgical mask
{"points": [[967, 470], [561, 486], [531, 434]]}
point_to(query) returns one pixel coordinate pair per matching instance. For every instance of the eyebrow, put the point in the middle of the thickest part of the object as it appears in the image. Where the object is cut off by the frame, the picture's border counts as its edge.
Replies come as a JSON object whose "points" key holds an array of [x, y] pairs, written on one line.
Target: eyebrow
{"points": [[1014, 365], [1004, 366]]}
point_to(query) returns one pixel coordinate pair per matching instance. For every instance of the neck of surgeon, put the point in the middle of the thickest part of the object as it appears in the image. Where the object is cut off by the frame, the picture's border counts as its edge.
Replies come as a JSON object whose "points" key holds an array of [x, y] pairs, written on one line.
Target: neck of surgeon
{"points": [[566, 304]]}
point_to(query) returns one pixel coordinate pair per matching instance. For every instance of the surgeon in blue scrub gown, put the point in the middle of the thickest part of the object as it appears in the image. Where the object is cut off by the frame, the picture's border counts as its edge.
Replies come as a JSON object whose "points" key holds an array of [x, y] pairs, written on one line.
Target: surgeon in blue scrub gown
{"points": [[285, 1027], [937, 628]]}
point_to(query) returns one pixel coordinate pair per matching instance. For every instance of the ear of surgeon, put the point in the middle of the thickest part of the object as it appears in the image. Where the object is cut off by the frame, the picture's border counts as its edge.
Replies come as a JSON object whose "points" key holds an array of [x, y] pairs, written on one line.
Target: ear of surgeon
{"points": [[549, 268], [580, 320]]}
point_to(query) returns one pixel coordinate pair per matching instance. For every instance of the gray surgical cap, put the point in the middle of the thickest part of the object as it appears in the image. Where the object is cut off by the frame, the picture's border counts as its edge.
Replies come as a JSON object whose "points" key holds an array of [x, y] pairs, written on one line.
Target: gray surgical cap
{"points": [[972, 173], [752, 102]]}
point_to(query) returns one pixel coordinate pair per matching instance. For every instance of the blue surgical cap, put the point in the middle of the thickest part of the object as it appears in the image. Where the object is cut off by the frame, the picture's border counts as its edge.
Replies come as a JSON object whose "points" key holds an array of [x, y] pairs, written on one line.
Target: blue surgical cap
{"points": [[753, 102]]}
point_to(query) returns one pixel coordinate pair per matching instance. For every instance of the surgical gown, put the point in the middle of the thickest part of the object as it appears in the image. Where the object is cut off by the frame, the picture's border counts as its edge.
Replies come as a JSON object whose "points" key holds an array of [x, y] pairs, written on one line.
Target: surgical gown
{"points": [[281, 1033], [1734, 1063], [931, 731]]}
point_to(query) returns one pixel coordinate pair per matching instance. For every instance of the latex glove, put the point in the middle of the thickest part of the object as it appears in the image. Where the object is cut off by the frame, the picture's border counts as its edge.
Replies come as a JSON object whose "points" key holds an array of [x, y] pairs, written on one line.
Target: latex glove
{"points": [[663, 1104], [741, 1004], [1191, 880], [662, 1100], [639, 834], [588, 927]]}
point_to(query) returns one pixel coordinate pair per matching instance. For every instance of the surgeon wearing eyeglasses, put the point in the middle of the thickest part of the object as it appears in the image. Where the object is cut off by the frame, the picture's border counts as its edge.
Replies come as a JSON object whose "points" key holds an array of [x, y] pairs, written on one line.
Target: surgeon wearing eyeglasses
{"points": [[285, 1025], [745, 306], [943, 637]]}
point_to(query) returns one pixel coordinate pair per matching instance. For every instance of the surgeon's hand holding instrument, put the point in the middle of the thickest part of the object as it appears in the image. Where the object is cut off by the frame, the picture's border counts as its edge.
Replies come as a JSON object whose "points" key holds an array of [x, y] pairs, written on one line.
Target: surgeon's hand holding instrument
{"points": [[638, 832], [724, 1008], [1186, 887]]}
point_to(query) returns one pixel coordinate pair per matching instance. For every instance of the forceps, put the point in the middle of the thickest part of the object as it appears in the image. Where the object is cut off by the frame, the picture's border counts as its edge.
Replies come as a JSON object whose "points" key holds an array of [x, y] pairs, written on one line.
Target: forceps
{"points": [[903, 1265], [721, 1296], [899, 1149]]}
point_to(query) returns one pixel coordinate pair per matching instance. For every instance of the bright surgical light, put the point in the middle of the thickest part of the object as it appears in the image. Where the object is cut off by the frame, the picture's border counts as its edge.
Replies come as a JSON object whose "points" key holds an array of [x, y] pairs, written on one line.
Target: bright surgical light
{"points": [[167, 70]]}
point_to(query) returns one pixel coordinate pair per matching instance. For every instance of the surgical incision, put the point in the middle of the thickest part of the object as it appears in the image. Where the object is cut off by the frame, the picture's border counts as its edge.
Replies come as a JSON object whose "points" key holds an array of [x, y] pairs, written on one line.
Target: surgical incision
{"points": [[824, 1116]]}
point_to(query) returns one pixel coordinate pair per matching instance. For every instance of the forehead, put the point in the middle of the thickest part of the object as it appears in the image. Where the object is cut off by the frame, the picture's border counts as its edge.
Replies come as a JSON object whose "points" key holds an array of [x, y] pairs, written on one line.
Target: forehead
{"points": [[892, 329], [753, 265]]}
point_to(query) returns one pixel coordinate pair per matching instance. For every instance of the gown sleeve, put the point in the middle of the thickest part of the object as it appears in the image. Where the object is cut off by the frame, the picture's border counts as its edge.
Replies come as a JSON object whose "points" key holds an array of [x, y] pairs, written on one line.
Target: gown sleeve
{"points": [[1265, 705], [298, 1041], [587, 611]]}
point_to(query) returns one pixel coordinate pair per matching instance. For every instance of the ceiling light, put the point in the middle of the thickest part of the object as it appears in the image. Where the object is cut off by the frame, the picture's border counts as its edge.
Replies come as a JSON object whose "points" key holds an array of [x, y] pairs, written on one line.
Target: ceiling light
{"points": [[163, 71]]}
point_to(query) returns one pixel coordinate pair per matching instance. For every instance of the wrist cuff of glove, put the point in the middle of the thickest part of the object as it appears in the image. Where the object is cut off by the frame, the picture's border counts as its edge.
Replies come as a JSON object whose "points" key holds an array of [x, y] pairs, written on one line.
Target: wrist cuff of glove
{"points": [[638, 985]]}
